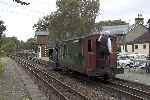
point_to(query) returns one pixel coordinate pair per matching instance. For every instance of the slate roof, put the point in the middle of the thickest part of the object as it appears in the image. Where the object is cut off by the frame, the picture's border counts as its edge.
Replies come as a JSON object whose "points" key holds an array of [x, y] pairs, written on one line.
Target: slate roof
{"points": [[141, 39], [135, 31], [118, 29], [41, 33]]}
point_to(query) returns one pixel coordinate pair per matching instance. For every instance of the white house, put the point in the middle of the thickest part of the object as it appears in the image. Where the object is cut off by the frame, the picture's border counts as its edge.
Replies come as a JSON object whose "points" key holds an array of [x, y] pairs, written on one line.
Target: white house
{"points": [[137, 38], [140, 45]]}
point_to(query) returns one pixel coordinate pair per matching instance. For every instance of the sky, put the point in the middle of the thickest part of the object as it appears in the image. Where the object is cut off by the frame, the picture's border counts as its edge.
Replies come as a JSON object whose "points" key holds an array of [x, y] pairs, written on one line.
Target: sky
{"points": [[20, 19]]}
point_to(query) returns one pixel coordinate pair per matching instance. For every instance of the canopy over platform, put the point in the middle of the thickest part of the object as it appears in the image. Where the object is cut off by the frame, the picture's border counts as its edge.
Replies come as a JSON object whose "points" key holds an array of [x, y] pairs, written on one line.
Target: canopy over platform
{"points": [[115, 30]]}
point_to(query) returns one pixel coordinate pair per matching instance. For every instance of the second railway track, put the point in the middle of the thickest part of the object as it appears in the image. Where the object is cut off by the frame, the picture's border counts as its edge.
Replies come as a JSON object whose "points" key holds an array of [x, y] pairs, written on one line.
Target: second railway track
{"points": [[127, 89], [133, 89]]}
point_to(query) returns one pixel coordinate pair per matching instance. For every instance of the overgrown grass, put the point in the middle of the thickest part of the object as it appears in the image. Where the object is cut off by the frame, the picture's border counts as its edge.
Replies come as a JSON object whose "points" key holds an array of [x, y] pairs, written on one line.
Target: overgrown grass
{"points": [[2, 68], [137, 71], [2, 54], [26, 98]]}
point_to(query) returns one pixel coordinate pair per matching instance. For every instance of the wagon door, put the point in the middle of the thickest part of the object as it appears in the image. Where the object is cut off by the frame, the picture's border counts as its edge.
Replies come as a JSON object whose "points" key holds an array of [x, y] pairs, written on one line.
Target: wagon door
{"points": [[91, 56]]}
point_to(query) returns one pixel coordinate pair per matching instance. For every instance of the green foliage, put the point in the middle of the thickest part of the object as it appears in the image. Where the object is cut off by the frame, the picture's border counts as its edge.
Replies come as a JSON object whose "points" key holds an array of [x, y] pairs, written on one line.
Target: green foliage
{"points": [[113, 22], [21, 2], [2, 68], [8, 45], [73, 18], [26, 98], [2, 27], [29, 45], [42, 24]]}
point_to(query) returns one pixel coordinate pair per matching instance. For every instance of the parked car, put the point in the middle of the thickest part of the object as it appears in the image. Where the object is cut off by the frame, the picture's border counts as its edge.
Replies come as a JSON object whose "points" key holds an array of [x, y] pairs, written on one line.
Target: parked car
{"points": [[137, 56], [124, 61]]}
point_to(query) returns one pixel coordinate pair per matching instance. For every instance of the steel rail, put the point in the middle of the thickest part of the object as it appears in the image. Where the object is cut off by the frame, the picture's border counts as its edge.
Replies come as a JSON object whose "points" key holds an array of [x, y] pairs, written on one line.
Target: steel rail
{"points": [[60, 85], [138, 92], [138, 86], [45, 82], [66, 91]]}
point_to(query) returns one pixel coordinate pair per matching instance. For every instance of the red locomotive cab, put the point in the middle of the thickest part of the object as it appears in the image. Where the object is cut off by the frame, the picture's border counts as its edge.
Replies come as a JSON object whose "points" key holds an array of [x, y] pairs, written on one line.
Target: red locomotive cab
{"points": [[98, 59]]}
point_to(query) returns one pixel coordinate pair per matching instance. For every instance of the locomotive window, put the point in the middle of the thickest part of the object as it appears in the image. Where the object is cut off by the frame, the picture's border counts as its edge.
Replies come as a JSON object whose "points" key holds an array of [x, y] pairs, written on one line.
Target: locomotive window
{"points": [[89, 45]]}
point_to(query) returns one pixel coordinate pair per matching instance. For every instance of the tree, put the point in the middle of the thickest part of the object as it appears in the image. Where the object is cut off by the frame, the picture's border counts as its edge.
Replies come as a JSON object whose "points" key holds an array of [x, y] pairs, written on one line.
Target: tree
{"points": [[73, 18], [42, 24], [113, 22], [2, 27], [8, 45], [21, 2], [30, 44]]}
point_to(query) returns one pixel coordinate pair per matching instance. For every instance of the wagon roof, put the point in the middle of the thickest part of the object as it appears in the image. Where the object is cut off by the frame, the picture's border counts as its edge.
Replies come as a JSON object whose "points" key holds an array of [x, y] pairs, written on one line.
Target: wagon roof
{"points": [[81, 37], [85, 36]]}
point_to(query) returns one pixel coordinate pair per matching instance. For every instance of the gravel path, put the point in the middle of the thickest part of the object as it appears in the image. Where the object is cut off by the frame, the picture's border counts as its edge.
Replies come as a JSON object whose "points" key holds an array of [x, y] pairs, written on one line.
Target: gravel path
{"points": [[15, 84]]}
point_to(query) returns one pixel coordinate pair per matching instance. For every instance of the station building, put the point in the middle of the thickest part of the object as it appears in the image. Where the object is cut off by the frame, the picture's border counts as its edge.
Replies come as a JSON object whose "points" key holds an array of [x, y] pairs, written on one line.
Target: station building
{"points": [[42, 43]]}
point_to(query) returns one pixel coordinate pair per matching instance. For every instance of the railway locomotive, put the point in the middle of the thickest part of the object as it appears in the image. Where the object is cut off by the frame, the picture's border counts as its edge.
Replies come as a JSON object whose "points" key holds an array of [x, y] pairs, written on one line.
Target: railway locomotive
{"points": [[93, 55]]}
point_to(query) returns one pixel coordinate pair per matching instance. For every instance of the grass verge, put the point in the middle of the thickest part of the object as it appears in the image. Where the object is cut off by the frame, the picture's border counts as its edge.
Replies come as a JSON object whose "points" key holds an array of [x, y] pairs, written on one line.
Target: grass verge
{"points": [[26, 98], [2, 68]]}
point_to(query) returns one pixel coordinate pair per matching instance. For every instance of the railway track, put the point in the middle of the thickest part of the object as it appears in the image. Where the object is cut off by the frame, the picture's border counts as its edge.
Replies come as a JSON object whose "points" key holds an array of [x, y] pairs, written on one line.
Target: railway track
{"points": [[121, 89], [127, 89], [133, 89], [125, 93], [135, 85], [48, 82]]}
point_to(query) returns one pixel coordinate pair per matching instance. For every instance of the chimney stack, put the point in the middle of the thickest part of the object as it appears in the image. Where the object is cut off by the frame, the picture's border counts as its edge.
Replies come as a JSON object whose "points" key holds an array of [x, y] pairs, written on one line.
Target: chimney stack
{"points": [[139, 20]]}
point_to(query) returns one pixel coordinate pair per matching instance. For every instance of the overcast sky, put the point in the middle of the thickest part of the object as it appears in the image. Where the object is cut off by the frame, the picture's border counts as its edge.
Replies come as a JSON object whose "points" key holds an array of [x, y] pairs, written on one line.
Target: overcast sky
{"points": [[20, 19]]}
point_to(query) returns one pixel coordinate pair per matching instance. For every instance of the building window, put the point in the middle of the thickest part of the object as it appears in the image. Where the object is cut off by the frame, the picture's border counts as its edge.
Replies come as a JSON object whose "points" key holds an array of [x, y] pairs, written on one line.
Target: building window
{"points": [[144, 46], [89, 45], [126, 48], [132, 47], [136, 46]]}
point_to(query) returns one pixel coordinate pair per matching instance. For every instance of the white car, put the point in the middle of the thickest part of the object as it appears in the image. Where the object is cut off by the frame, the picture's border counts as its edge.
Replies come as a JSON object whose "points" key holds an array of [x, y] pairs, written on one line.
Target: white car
{"points": [[124, 62]]}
